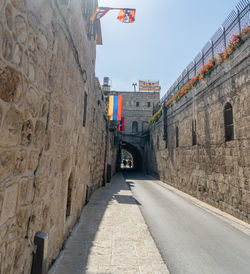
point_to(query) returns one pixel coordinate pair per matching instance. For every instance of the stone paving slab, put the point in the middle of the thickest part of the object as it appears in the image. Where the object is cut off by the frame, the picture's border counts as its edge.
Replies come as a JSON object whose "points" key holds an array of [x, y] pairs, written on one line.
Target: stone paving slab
{"points": [[111, 237]]}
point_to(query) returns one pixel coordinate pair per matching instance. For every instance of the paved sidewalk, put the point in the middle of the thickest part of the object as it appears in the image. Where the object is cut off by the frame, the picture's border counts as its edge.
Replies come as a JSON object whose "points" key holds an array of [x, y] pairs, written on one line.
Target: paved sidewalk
{"points": [[111, 238]]}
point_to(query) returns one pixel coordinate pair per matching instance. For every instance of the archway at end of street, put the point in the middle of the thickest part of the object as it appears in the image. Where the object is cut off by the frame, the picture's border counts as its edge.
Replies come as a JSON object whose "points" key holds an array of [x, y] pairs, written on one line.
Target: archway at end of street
{"points": [[130, 157]]}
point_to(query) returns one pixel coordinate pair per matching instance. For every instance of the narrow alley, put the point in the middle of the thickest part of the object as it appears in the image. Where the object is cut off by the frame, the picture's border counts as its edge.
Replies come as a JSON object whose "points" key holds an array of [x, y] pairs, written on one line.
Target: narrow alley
{"points": [[124, 137]]}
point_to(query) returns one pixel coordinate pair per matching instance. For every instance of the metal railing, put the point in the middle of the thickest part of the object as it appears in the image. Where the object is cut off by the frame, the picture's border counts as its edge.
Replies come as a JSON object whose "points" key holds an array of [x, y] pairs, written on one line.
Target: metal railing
{"points": [[234, 23]]}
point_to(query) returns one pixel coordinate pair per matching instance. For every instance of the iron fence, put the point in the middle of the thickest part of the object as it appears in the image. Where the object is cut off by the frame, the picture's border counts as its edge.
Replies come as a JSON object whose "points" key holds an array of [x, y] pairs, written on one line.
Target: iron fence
{"points": [[234, 23]]}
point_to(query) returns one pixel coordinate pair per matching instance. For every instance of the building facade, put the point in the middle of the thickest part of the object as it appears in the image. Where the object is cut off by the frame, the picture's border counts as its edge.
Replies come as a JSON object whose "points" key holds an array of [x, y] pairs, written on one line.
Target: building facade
{"points": [[137, 109]]}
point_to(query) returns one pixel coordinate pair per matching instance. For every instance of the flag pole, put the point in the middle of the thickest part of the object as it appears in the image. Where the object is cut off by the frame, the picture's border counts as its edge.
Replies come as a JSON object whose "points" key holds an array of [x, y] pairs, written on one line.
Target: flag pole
{"points": [[117, 8]]}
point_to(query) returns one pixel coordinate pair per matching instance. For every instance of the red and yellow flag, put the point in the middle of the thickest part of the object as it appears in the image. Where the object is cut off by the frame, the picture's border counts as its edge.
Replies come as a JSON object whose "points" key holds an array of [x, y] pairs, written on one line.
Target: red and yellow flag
{"points": [[126, 15]]}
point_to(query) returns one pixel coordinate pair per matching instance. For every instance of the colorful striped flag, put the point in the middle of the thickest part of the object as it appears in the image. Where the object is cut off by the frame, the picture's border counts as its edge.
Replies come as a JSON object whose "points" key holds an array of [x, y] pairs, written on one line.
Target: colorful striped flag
{"points": [[126, 15], [115, 107]]}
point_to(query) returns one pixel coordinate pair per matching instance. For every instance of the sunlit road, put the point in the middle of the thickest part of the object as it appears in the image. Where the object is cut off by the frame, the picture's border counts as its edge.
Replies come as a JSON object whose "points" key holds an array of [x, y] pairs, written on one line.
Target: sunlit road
{"points": [[190, 239]]}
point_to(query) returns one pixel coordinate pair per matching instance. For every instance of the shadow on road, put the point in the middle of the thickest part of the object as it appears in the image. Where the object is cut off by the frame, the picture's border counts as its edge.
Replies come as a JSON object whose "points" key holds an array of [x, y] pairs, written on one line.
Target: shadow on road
{"points": [[86, 232]]}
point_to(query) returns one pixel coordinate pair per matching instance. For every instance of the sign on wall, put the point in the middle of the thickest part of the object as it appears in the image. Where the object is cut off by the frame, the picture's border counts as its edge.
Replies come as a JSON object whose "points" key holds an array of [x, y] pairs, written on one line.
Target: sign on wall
{"points": [[149, 86]]}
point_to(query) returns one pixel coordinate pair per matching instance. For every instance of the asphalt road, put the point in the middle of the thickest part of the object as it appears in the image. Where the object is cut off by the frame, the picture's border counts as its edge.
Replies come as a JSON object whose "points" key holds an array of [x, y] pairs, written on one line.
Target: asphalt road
{"points": [[190, 239]]}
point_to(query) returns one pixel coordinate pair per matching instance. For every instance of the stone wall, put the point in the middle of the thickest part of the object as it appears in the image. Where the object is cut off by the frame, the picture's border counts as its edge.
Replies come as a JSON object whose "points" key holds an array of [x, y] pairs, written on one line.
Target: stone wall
{"points": [[214, 170], [47, 156]]}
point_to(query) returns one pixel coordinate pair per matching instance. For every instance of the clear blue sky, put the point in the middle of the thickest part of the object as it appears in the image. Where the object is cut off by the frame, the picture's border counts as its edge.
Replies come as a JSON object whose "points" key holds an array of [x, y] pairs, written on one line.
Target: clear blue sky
{"points": [[164, 39]]}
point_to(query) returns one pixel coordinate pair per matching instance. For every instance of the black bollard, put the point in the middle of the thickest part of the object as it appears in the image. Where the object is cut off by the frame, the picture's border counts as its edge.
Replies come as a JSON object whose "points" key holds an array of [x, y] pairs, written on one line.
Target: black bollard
{"points": [[39, 262]]}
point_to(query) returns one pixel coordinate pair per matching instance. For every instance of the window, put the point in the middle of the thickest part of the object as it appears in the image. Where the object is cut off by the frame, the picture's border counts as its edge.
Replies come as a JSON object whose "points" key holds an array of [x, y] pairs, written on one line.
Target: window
{"points": [[134, 127], [194, 137], [165, 128], [69, 195], [166, 138], [137, 104], [85, 110], [228, 121], [149, 104], [177, 136]]}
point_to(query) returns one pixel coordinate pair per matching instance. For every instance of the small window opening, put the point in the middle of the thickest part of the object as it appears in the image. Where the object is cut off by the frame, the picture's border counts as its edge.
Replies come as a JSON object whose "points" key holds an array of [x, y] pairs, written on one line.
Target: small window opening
{"points": [[137, 104], [177, 136], [194, 136], [228, 121], [69, 195], [166, 138], [149, 104], [134, 127], [85, 110]]}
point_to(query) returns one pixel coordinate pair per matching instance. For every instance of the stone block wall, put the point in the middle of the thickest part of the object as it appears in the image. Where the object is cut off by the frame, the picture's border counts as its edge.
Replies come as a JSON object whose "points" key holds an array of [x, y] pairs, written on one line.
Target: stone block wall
{"points": [[214, 170], [140, 114], [48, 153]]}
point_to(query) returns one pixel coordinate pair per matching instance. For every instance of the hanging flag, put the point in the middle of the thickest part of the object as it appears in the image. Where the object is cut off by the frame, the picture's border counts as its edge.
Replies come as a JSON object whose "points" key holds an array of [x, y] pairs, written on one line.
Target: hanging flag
{"points": [[119, 113], [115, 107], [126, 15], [111, 104], [98, 32], [121, 125], [99, 13]]}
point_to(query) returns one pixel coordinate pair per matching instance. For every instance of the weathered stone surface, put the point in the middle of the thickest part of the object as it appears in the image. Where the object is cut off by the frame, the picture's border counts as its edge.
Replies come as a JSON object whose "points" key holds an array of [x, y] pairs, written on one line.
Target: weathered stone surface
{"points": [[22, 216], [25, 63], [1, 202], [32, 160], [1, 32], [11, 129], [7, 160], [10, 84], [20, 163], [21, 29], [18, 54], [20, 265], [7, 45], [26, 133], [9, 203], [19, 4], [26, 191], [9, 16], [10, 254], [47, 140], [33, 101], [39, 133], [1, 116]]}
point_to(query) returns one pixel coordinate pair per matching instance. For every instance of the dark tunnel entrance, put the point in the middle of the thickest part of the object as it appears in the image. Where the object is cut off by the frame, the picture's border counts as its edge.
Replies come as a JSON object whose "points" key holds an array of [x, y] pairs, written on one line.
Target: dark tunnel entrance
{"points": [[130, 157]]}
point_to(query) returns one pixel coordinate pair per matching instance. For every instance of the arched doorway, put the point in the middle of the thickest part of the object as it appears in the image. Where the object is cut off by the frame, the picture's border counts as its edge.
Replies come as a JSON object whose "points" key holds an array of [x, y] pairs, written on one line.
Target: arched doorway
{"points": [[127, 160], [130, 157]]}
